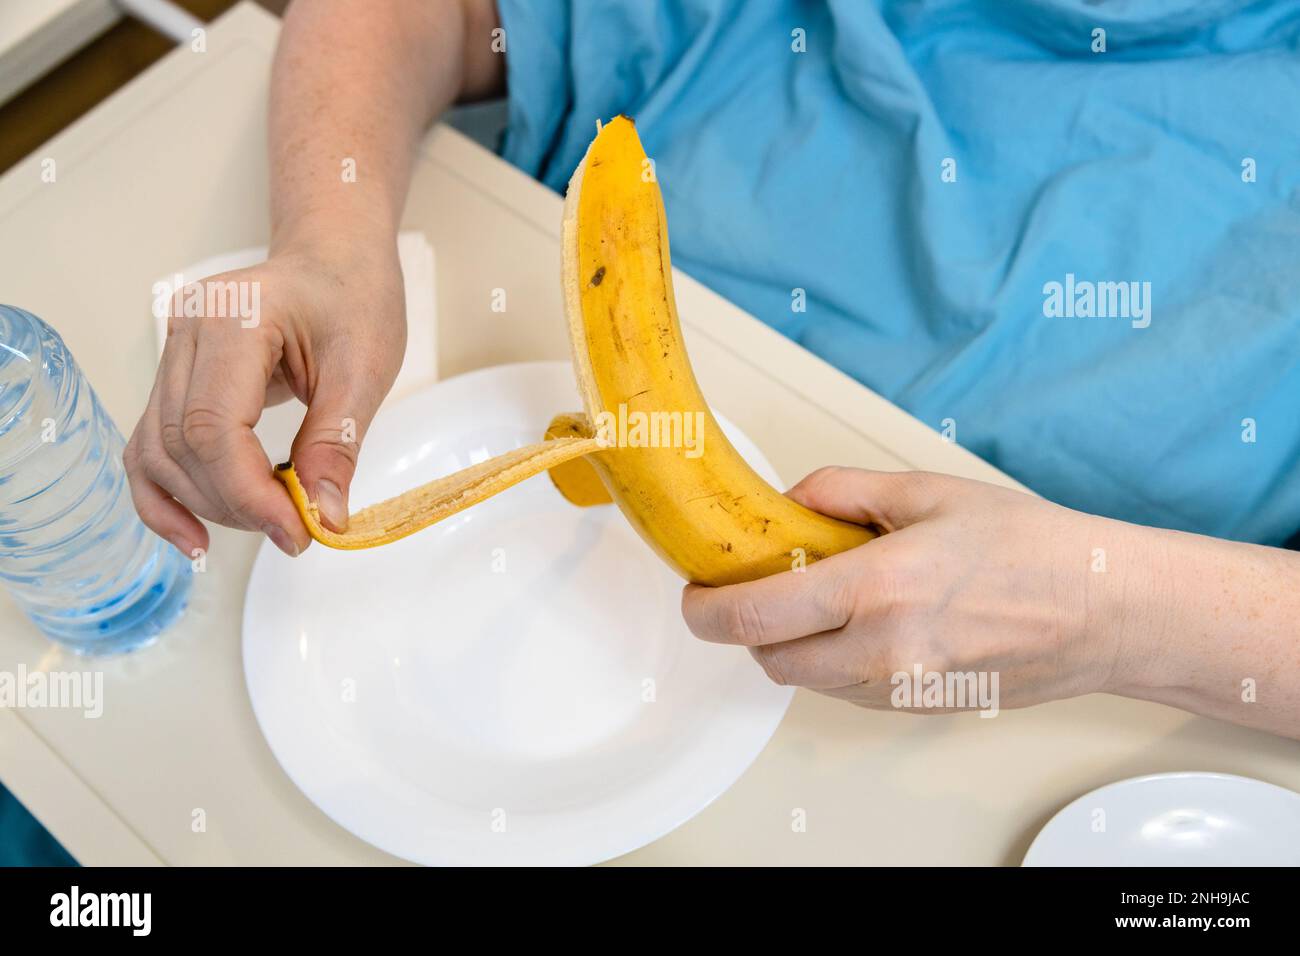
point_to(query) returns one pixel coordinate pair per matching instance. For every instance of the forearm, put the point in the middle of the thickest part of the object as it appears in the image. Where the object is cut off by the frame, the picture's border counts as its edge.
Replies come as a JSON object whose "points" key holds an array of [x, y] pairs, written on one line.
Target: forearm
{"points": [[1212, 627], [353, 87]]}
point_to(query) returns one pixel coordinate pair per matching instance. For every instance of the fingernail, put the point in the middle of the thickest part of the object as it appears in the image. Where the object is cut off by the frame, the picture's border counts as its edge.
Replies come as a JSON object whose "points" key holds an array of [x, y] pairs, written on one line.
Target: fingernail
{"points": [[280, 539], [331, 504], [183, 546]]}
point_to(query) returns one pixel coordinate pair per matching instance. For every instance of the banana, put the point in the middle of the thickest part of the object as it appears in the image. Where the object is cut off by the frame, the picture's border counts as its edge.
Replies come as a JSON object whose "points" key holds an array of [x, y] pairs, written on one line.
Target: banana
{"points": [[708, 515], [576, 479], [646, 431]]}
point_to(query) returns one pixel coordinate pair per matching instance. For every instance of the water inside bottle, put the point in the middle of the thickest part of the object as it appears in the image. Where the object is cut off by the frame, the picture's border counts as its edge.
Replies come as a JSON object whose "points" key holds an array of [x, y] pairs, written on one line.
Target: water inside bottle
{"points": [[73, 553]]}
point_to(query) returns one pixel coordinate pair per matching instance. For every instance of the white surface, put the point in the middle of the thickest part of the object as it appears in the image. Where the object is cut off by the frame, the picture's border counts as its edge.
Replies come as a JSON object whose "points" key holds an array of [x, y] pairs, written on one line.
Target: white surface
{"points": [[165, 17], [511, 686], [419, 366], [1175, 819], [36, 34], [173, 167]]}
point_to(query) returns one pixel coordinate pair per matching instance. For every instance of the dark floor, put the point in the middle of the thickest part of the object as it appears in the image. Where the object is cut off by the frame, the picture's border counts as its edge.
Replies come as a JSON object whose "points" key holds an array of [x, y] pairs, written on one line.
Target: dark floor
{"points": [[92, 74]]}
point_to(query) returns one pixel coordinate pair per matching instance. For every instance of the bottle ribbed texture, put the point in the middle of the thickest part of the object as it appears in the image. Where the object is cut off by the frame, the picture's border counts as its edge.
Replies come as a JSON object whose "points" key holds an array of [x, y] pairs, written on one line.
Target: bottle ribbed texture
{"points": [[73, 552]]}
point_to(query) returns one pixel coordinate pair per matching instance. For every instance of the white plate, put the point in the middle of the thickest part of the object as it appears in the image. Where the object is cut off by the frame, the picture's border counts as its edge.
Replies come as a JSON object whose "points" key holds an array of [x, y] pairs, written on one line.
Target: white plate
{"points": [[512, 685], [1175, 819]]}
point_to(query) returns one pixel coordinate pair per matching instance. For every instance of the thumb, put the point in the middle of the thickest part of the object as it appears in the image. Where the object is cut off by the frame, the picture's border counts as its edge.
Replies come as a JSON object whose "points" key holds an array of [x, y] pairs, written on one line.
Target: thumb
{"points": [[328, 444], [888, 499]]}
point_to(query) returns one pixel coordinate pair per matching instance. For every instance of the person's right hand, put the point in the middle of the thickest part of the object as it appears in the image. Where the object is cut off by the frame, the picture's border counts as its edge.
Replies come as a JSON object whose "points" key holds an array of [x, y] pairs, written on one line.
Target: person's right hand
{"points": [[331, 331]]}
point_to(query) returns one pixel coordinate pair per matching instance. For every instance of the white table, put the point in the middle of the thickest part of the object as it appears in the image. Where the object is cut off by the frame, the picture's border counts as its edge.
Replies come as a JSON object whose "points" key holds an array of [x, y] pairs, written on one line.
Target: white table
{"points": [[36, 34], [172, 169]]}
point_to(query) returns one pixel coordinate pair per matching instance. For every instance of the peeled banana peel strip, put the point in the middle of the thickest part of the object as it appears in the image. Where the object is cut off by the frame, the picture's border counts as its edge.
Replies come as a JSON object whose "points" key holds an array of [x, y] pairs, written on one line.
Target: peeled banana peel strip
{"points": [[707, 514], [430, 503]]}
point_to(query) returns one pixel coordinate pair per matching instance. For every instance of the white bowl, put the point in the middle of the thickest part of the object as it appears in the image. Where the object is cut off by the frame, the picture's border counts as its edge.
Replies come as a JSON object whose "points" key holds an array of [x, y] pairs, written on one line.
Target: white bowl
{"points": [[512, 685]]}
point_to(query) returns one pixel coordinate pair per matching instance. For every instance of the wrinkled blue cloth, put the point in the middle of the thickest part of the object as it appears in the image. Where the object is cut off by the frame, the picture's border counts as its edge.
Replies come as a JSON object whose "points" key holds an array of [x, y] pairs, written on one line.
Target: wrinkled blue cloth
{"points": [[23, 841], [824, 170]]}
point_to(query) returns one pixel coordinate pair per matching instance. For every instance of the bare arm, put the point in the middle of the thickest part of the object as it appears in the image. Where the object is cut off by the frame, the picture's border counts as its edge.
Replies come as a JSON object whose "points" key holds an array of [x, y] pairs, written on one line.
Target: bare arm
{"points": [[361, 82], [353, 88], [1214, 628], [975, 579]]}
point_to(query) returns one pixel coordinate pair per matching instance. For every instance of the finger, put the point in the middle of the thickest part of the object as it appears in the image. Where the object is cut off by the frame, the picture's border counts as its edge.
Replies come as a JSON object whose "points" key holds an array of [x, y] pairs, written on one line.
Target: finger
{"points": [[849, 657], [327, 446], [168, 518], [168, 460], [232, 366], [870, 696], [171, 478], [161, 513], [890, 499], [177, 470], [782, 607], [174, 370]]}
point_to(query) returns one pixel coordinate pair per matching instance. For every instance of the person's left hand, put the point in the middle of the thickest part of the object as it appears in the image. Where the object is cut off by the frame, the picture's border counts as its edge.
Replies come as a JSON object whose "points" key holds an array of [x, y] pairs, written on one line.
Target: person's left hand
{"points": [[969, 578]]}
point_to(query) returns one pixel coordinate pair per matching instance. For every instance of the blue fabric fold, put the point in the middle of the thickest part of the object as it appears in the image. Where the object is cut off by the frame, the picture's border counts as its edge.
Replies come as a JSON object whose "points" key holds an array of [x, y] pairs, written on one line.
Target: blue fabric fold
{"points": [[822, 171], [23, 841]]}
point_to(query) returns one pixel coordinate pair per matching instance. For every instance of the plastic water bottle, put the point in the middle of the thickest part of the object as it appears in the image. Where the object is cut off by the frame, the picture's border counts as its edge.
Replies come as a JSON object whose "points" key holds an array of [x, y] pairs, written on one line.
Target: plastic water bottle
{"points": [[73, 553]]}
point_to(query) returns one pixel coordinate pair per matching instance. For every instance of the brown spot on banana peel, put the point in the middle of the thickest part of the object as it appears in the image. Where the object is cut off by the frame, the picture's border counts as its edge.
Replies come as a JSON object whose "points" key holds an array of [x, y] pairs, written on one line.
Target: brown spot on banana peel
{"points": [[614, 219], [616, 334], [623, 330]]}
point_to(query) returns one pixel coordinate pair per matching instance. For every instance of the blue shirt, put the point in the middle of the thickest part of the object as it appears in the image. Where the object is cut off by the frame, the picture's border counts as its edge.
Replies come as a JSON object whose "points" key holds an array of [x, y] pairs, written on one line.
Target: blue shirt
{"points": [[1072, 228]]}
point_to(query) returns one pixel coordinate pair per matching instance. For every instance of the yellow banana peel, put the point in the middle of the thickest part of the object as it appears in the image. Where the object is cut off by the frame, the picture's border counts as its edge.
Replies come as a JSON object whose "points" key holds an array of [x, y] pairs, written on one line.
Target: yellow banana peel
{"points": [[646, 439]]}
